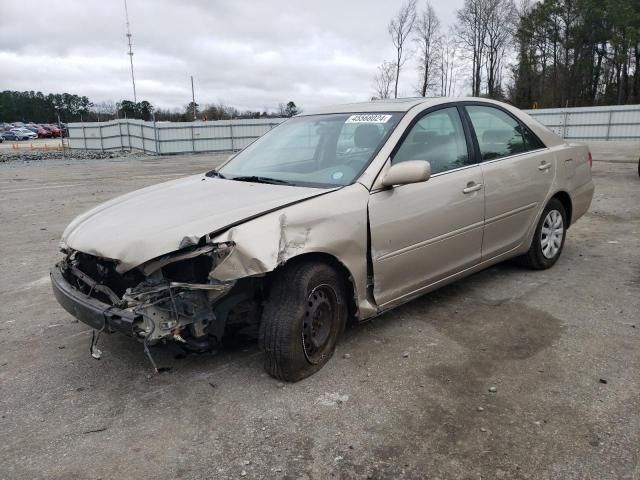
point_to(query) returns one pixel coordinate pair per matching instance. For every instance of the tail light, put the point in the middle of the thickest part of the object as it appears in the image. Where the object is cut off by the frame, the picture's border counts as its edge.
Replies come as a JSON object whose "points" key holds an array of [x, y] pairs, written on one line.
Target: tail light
{"points": [[590, 158]]}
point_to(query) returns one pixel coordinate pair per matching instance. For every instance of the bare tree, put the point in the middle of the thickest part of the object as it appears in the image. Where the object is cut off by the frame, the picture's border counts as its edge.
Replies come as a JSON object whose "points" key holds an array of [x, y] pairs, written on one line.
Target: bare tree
{"points": [[501, 19], [523, 7], [105, 110], [471, 30], [448, 66], [427, 30], [400, 28], [288, 109], [384, 79]]}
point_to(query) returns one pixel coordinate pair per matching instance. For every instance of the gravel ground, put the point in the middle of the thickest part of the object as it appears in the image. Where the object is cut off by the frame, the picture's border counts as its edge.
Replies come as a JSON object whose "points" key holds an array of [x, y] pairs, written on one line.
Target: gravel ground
{"points": [[35, 155], [408, 395]]}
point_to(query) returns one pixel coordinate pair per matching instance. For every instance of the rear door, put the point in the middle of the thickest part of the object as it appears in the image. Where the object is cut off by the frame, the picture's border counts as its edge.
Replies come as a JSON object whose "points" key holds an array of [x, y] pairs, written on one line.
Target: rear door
{"points": [[518, 171], [424, 232]]}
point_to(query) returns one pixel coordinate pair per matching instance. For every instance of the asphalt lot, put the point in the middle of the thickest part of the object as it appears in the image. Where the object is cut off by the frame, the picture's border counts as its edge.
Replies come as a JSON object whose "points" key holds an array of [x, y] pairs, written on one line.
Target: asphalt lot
{"points": [[404, 403]]}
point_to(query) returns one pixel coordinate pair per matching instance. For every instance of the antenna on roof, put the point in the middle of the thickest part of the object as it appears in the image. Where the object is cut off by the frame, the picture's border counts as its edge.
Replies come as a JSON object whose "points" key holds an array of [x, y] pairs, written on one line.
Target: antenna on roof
{"points": [[133, 79]]}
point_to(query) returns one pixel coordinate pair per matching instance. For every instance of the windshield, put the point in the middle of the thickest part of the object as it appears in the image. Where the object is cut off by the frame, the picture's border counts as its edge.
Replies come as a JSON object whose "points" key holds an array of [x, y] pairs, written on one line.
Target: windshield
{"points": [[314, 150]]}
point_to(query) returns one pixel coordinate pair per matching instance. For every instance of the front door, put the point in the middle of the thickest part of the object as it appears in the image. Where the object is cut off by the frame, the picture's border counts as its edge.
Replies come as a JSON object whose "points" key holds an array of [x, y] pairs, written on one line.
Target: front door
{"points": [[424, 232]]}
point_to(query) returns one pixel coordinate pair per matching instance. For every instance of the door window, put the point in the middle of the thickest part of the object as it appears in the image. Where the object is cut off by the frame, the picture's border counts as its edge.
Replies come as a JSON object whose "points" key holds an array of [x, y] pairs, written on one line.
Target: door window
{"points": [[499, 134], [438, 137]]}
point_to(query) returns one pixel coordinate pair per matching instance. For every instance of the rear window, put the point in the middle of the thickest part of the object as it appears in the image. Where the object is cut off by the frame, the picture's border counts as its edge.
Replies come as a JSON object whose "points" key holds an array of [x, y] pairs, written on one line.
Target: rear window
{"points": [[499, 134]]}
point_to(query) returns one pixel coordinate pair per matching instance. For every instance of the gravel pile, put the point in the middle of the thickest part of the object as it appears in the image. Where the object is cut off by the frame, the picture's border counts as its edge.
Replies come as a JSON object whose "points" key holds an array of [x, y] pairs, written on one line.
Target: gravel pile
{"points": [[35, 155]]}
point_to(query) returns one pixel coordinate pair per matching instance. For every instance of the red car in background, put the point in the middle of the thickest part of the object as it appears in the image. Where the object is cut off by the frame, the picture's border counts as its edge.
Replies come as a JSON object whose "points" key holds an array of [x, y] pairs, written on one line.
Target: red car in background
{"points": [[43, 132], [55, 131]]}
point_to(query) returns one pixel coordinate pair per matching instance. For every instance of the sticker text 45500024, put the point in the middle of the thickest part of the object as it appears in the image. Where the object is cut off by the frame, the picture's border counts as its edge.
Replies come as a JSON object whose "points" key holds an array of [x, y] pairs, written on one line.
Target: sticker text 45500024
{"points": [[368, 118]]}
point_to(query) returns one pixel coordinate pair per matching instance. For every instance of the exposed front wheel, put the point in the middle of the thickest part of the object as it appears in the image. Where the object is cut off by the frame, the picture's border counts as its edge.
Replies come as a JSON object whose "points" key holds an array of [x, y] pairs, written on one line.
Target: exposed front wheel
{"points": [[549, 237], [302, 320]]}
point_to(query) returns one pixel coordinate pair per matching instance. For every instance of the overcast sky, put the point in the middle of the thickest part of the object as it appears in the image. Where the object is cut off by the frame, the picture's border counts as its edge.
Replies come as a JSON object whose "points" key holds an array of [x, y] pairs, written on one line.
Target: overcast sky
{"points": [[249, 54]]}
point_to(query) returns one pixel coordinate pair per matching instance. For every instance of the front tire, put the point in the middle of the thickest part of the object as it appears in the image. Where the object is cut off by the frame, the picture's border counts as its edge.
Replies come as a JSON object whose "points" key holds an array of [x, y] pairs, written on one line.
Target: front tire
{"points": [[302, 320], [548, 239]]}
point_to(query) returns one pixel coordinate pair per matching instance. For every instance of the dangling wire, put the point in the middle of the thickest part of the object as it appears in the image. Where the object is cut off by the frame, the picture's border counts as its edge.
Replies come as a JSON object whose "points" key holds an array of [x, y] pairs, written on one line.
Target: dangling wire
{"points": [[93, 350], [173, 303], [93, 347], [145, 342]]}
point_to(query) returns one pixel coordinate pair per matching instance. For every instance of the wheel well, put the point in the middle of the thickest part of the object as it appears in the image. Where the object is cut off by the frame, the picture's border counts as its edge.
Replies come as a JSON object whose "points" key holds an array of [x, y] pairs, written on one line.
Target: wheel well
{"points": [[339, 267], [565, 199]]}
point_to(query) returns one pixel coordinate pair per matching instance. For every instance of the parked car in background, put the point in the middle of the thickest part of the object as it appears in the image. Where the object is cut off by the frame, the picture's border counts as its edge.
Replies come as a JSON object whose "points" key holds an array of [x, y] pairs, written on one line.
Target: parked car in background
{"points": [[25, 132], [335, 215], [15, 135], [31, 134], [55, 131], [43, 132]]}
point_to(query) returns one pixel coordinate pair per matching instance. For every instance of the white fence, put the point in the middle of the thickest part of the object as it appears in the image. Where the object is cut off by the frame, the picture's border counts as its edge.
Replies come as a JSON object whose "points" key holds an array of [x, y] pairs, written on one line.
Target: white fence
{"points": [[581, 123], [168, 137], [592, 123]]}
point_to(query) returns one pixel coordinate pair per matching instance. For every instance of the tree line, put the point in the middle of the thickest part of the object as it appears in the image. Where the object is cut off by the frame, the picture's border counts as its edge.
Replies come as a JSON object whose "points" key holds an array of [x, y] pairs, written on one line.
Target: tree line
{"points": [[584, 52], [220, 111], [553, 53], [40, 108]]}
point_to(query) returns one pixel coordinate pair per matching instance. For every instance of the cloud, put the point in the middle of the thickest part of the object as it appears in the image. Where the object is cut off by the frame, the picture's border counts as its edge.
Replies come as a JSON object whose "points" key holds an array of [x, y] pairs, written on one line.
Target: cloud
{"points": [[248, 54]]}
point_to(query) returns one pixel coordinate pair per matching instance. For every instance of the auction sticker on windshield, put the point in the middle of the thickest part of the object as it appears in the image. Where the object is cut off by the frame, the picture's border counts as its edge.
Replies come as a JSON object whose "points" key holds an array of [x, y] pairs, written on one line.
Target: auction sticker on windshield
{"points": [[368, 118]]}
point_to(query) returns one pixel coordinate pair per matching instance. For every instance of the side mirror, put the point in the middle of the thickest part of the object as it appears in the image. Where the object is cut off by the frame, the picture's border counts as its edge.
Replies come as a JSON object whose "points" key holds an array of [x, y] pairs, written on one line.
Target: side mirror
{"points": [[411, 171]]}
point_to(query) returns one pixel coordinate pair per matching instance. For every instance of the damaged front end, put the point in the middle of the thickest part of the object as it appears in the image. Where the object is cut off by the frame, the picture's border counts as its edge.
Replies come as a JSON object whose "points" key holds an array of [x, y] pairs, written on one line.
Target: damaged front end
{"points": [[172, 297]]}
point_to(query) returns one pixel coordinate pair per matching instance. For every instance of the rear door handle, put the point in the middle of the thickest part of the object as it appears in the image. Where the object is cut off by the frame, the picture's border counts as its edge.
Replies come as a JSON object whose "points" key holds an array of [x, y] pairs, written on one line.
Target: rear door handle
{"points": [[472, 187], [544, 166]]}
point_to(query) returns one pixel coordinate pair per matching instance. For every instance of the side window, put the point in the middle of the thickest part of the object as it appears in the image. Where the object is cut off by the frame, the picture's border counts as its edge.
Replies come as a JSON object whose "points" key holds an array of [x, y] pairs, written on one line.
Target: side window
{"points": [[438, 137], [533, 142], [499, 135]]}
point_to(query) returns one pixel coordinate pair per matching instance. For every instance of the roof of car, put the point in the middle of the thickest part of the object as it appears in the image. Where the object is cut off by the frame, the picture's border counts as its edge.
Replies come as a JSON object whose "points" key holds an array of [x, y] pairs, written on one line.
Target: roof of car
{"points": [[391, 105], [388, 105]]}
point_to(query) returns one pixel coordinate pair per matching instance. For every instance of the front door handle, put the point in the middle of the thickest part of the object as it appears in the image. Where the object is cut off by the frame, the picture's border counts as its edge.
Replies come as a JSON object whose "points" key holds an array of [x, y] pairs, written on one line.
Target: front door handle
{"points": [[472, 187], [544, 166]]}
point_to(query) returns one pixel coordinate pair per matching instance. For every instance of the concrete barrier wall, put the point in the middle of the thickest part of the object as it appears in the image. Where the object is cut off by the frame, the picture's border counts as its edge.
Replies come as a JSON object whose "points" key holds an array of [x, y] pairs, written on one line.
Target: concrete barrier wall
{"points": [[592, 123], [168, 137]]}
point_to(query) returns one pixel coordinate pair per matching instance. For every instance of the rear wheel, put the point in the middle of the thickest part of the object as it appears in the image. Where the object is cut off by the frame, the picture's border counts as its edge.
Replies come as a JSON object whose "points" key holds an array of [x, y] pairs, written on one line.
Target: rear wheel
{"points": [[302, 320], [549, 237]]}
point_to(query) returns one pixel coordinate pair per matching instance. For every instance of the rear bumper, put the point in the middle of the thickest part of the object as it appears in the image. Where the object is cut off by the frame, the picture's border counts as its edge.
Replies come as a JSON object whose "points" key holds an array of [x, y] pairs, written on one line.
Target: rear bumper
{"points": [[96, 314]]}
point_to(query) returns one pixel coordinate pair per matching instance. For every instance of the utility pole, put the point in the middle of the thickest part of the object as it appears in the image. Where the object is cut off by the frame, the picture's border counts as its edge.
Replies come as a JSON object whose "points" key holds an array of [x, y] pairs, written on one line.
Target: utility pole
{"points": [[61, 133], [133, 79], [193, 99]]}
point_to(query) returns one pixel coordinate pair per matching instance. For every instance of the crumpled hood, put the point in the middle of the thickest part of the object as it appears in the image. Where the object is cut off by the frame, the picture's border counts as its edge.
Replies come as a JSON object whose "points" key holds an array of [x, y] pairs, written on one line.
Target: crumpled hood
{"points": [[160, 219]]}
